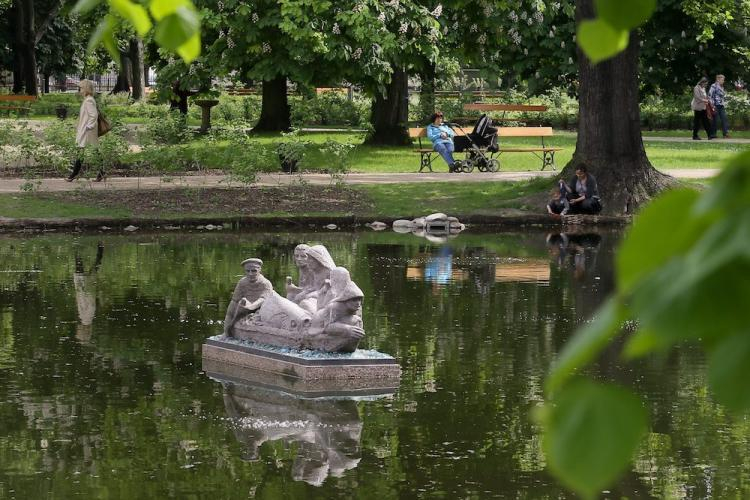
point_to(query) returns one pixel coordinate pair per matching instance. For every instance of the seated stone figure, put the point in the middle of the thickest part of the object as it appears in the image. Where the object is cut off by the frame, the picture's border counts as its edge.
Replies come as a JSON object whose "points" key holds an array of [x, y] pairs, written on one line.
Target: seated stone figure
{"points": [[249, 294], [338, 326], [315, 266]]}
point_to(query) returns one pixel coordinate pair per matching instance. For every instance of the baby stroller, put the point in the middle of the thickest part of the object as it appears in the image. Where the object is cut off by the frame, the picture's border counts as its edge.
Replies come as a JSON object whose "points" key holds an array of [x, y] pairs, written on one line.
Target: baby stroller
{"points": [[476, 145]]}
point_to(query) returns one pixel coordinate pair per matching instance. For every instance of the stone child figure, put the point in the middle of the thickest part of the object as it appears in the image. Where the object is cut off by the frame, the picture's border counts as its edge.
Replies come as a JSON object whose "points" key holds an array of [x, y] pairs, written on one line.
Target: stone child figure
{"points": [[338, 326], [248, 295]]}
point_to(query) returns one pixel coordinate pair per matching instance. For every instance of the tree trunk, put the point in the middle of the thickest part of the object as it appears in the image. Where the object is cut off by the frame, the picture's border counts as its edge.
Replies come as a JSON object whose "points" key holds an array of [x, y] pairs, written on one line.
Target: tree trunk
{"points": [[609, 141], [28, 52], [275, 115], [427, 94], [390, 112], [16, 25], [180, 99], [124, 81], [136, 61], [45, 88]]}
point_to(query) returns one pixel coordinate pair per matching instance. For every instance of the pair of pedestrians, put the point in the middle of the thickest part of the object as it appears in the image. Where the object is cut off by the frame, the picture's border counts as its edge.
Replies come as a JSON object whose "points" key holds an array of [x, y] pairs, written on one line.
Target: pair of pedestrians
{"points": [[709, 108]]}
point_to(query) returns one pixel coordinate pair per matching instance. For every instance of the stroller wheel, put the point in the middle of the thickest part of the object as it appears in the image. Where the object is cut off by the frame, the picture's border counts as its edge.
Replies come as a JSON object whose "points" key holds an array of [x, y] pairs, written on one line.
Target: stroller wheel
{"points": [[493, 165], [468, 167]]}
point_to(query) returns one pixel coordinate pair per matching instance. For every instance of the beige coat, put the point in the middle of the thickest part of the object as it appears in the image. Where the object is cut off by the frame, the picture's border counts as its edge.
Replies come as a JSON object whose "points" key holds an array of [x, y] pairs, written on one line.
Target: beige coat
{"points": [[87, 130], [699, 99]]}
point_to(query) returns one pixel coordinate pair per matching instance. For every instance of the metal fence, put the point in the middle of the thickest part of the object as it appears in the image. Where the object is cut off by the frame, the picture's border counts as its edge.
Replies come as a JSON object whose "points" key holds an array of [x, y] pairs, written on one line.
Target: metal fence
{"points": [[69, 83]]}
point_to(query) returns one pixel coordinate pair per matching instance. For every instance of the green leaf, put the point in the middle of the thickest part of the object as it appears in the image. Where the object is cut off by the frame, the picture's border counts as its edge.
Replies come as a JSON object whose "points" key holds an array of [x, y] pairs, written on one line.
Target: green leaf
{"points": [[134, 13], [730, 189], [642, 343], [84, 6], [625, 15], [176, 29], [104, 34], [703, 294], [190, 49], [661, 231], [729, 372], [163, 8], [591, 433], [587, 342], [600, 41]]}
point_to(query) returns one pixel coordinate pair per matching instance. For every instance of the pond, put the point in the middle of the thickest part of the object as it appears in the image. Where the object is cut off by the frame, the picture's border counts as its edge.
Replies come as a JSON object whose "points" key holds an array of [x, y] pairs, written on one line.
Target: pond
{"points": [[102, 393]]}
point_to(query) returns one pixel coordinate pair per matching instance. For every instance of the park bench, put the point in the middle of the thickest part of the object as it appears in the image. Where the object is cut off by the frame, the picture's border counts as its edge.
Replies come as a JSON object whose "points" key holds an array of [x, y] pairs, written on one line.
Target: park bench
{"points": [[18, 103], [545, 153], [426, 155]]}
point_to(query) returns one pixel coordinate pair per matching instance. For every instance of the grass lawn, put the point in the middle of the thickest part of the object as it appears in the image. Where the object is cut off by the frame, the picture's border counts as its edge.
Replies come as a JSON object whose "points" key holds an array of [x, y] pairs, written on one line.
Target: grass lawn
{"points": [[396, 159], [369, 200], [736, 134]]}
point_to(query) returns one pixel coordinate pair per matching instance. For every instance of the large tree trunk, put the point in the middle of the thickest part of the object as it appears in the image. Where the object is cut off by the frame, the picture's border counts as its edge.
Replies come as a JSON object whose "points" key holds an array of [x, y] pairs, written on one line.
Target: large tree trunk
{"points": [[124, 76], [15, 23], [275, 114], [609, 141], [136, 61], [25, 19], [390, 112], [427, 94]]}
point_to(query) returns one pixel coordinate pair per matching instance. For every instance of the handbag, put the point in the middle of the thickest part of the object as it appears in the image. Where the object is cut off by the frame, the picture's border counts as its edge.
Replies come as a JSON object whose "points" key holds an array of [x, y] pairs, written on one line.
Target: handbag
{"points": [[103, 125], [710, 110]]}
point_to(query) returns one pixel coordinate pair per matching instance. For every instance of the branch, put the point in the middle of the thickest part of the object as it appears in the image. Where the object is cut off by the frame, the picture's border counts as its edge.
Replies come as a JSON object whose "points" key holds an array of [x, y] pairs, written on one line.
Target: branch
{"points": [[42, 29]]}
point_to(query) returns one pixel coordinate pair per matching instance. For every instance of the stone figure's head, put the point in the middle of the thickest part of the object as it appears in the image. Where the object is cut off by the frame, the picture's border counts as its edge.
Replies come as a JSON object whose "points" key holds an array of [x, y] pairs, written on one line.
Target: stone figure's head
{"points": [[318, 256], [252, 268], [351, 297], [339, 279], [300, 255]]}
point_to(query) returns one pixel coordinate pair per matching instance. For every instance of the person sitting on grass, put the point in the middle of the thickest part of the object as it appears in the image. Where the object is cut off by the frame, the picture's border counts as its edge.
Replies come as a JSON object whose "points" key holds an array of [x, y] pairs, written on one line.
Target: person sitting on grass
{"points": [[582, 192], [441, 136], [558, 205]]}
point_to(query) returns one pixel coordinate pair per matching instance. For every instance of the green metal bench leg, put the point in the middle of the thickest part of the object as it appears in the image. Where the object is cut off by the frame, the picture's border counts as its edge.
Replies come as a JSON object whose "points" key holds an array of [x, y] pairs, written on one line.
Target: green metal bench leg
{"points": [[425, 161]]}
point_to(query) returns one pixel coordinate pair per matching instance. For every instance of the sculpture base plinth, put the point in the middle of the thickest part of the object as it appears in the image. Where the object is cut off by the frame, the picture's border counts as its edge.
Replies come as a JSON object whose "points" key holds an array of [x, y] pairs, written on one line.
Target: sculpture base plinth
{"points": [[301, 372]]}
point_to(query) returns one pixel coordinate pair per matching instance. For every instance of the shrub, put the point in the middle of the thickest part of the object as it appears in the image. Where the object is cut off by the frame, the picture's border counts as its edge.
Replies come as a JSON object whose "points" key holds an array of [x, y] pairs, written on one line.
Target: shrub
{"points": [[169, 127]]}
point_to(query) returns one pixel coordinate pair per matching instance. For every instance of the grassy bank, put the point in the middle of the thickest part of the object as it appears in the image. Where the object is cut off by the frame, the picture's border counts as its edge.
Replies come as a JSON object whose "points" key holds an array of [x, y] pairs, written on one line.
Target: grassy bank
{"points": [[369, 200]]}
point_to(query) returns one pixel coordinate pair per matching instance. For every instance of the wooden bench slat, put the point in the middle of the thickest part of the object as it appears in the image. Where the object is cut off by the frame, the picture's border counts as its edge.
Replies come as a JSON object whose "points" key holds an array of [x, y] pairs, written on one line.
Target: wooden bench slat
{"points": [[14, 97], [415, 133], [524, 132], [527, 150], [482, 106]]}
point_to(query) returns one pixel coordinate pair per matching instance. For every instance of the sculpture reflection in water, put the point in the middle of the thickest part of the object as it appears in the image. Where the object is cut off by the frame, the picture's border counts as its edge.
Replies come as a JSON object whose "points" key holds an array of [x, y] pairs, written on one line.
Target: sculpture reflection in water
{"points": [[325, 432], [84, 284]]}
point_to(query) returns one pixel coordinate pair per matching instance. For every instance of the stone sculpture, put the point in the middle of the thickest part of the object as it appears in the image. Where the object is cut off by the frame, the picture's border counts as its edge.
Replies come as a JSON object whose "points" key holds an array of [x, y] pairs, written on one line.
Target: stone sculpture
{"points": [[322, 312], [249, 294]]}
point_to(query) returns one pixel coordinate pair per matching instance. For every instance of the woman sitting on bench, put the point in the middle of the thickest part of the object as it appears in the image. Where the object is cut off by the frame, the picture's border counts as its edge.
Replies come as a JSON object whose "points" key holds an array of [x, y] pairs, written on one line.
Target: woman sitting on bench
{"points": [[582, 193], [442, 140]]}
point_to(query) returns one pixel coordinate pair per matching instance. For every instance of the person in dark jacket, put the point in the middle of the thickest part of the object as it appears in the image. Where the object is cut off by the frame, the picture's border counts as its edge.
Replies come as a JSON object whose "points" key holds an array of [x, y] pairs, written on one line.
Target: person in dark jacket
{"points": [[583, 193]]}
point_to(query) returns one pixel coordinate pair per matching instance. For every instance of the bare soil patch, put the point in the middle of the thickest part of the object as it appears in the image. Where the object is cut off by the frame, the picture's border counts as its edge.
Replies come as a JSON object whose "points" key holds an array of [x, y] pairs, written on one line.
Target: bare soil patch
{"points": [[298, 200]]}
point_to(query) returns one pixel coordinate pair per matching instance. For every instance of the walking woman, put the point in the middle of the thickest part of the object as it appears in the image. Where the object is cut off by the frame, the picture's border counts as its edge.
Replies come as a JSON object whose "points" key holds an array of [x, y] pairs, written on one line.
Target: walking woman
{"points": [[87, 133], [719, 100], [700, 115]]}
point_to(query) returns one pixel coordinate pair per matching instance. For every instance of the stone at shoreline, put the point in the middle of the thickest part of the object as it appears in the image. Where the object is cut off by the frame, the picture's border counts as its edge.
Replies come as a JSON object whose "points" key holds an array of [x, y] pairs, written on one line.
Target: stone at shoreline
{"points": [[377, 225], [130, 228], [331, 226]]}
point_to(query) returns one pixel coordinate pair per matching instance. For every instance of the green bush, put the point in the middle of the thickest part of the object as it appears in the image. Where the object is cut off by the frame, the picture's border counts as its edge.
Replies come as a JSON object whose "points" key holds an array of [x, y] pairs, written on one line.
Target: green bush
{"points": [[330, 108], [167, 127]]}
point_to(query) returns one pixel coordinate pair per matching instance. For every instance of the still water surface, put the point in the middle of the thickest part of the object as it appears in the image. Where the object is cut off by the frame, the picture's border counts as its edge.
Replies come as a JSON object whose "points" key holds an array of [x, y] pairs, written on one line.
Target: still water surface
{"points": [[102, 393]]}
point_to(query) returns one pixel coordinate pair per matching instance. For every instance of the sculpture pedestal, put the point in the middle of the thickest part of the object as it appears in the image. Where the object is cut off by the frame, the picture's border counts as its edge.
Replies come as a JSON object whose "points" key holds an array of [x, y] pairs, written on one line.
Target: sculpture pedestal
{"points": [[301, 371]]}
